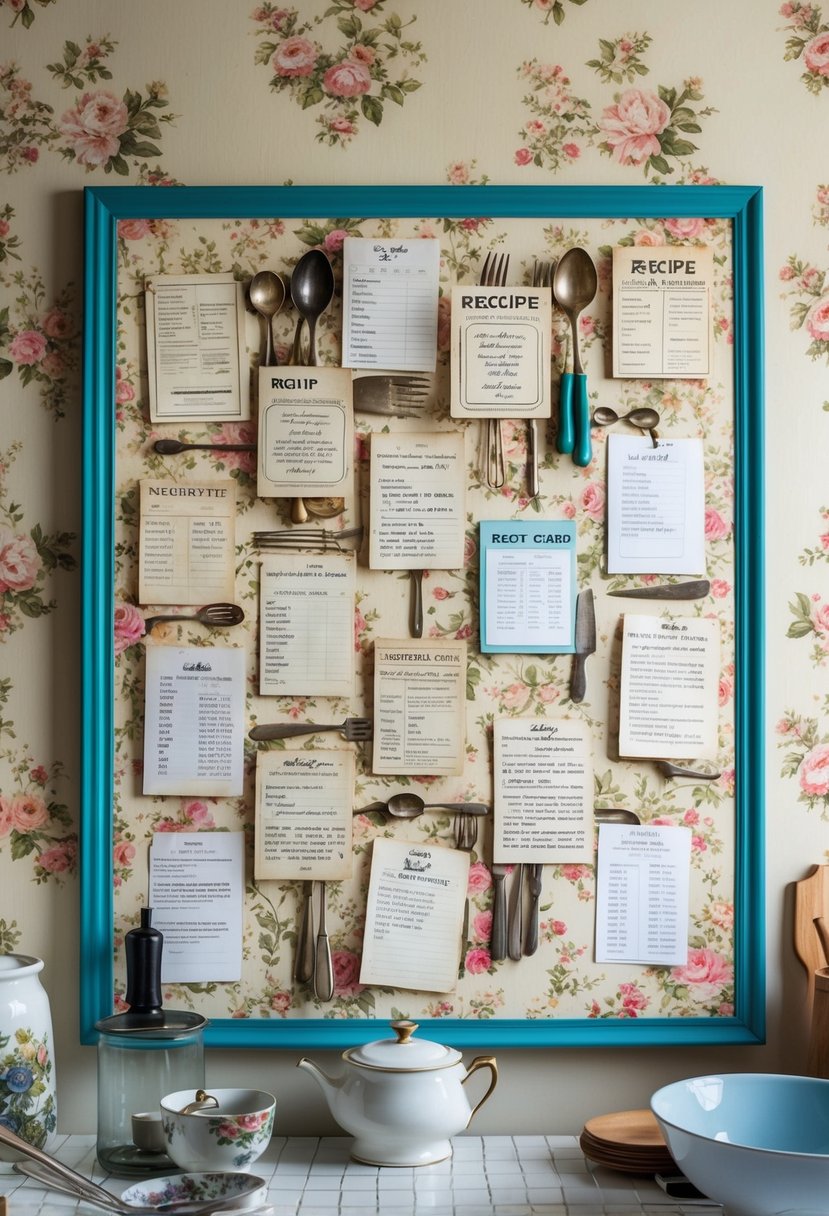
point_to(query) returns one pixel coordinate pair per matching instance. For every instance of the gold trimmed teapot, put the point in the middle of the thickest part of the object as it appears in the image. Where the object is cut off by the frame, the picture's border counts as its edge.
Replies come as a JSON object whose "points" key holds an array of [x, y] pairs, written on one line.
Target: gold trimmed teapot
{"points": [[402, 1098]]}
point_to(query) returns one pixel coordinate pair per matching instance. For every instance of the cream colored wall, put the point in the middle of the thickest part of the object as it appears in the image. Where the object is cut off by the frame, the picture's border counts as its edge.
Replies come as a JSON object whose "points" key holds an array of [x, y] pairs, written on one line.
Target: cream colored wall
{"points": [[766, 126]]}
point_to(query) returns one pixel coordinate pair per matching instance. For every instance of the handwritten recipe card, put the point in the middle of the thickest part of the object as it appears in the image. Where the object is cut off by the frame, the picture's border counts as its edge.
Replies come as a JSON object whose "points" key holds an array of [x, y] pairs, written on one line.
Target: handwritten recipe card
{"points": [[306, 432], [390, 303], [419, 707], [187, 543], [304, 814], [543, 791]]}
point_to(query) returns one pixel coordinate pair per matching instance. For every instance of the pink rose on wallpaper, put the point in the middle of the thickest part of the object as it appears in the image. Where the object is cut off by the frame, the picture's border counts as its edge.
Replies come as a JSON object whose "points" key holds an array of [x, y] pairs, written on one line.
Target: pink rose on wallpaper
{"points": [[347, 79], [482, 926], [129, 626], [365, 6], [346, 966], [722, 914], [198, 813], [477, 959], [57, 324], [715, 526], [93, 127], [706, 972], [237, 432], [523, 156], [27, 347], [362, 54], [53, 364], [123, 853], [58, 859], [685, 229], [295, 56], [574, 873], [593, 500], [571, 151], [343, 126], [633, 999], [19, 561], [28, 812], [480, 878], [814, 771], [820, 618], [515, 695], [6, 816], [719, 588], [333, 242], [134, 230], [281, 1002], [458, 173], [725, 691], [645, 237], [632, 124], [817, 320], [816, 54]]}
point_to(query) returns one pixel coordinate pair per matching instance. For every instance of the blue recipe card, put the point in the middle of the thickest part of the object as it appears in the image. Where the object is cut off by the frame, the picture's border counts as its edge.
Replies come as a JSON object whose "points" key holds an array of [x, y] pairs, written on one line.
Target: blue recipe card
{"points": [[528, 586]]}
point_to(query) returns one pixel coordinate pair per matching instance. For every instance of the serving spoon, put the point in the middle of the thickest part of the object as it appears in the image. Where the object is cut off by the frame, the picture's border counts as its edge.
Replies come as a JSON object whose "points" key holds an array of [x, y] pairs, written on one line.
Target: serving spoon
{"points": [[575, 283], [312, 290], [266, 293], [642, 416]]}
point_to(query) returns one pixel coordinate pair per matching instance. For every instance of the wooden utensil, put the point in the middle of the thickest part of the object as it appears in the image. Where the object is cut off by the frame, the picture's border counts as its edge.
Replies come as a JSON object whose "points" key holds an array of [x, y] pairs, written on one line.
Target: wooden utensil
{"points": [[811, 900]]}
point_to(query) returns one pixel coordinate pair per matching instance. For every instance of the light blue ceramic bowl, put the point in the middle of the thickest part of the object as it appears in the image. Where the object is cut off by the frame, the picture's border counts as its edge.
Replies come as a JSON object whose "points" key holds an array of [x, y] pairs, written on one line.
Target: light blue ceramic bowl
{"points": [[758, 1143]]}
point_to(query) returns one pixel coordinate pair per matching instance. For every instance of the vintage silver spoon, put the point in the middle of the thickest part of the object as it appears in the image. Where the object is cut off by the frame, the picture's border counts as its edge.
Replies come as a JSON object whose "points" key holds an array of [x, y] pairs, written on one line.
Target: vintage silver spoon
{"points": [[217, 616], [615, 815], [677, 770], [575, 283], [406, 805], [266, 293], [312, 290], [642, 416]]}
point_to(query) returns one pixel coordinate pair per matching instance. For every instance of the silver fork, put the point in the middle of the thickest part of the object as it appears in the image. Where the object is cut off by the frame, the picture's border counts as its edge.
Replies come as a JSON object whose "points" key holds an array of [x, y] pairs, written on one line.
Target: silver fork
{"points": [[397, 396], [306, 538], [466, 837], [542, 277], [494, 274], [353, 730]]}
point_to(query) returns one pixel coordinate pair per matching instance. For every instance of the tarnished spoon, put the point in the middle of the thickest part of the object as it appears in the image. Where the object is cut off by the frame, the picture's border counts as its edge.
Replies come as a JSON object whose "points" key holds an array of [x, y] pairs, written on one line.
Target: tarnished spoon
{"points": [[407, 805], [643, 417], [217, 616], [575, 283], [312, 290], [266, 293], [615, 815]]}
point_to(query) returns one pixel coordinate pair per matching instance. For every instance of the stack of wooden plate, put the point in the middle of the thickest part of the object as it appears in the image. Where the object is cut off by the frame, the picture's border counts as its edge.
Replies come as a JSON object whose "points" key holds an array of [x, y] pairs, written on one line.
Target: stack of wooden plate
{"points": [[627, 1140]]}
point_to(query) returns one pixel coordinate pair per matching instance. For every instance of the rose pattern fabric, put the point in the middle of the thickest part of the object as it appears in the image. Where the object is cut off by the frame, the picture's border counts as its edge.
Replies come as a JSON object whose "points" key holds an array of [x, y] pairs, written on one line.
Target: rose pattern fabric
{"points": [[808, 42]]}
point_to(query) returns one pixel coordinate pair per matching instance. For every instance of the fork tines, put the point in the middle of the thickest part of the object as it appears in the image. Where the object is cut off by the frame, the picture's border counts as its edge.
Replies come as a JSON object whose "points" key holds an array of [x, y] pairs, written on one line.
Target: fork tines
{"points": [[494, 270], [306, 538]]}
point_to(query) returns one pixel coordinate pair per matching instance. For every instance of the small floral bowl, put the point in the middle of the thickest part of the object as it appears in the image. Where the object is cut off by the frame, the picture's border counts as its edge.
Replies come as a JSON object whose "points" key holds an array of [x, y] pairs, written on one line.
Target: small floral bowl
{"points": [[240, 1191], [230, 1136]]}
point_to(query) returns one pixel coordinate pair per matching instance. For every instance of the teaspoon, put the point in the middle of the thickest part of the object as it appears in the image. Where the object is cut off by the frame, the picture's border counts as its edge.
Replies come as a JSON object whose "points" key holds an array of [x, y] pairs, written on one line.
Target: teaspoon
{"points": [[575, 283], [643, 417], [312, 290], [407, 805], [267, 295]]}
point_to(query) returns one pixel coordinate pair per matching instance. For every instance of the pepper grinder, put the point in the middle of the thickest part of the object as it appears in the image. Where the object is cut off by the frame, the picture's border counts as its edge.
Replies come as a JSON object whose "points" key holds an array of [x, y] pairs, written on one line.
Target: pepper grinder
{"points": [[143, 1055]]}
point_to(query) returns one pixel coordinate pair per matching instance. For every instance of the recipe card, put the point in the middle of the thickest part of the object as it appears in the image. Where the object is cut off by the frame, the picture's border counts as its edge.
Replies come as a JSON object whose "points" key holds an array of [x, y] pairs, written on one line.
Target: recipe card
{"points": [[197, 363], [304, 814], [543, 782], [390, 303], [414, 916], [642, 895], [419, 707], [528, 586], [670, 687], [417, 501], [306, 625], [194, 713], [662, 311], [306, 432], [655, 506], [197, 884], [501, 352], [186, 546]]}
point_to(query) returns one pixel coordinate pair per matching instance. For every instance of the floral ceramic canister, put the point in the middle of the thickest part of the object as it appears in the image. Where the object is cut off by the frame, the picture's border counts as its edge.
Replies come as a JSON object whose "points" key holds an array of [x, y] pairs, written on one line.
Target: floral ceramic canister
{"points": [[28, 1102]]}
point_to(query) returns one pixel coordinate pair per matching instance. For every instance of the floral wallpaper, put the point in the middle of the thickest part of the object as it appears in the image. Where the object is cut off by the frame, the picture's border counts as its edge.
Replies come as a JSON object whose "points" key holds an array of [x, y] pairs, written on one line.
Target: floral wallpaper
{"points": [[354, 91]]}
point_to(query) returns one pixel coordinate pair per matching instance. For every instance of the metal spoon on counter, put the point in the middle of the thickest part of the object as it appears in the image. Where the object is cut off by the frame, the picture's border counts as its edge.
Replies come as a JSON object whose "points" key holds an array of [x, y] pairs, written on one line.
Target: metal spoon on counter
{"points": [[266, 293], [312, 290], [642, 417], [575, 283]]}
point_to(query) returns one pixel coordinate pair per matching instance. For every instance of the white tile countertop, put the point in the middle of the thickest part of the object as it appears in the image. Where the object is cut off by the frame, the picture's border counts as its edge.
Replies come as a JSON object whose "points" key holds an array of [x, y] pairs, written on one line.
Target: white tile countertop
{"points": [[486, 1176]]}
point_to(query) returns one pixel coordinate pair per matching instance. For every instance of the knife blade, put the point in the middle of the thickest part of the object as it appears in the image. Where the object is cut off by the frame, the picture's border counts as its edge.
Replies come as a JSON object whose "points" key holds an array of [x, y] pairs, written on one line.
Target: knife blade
{"points": [[585, 643], [694, 590], [534, 884]]}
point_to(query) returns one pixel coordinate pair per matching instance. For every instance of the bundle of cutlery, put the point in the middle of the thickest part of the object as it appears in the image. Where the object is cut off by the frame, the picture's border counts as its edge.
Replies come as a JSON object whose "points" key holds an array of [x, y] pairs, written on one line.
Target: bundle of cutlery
{"points": [[307, 538]]}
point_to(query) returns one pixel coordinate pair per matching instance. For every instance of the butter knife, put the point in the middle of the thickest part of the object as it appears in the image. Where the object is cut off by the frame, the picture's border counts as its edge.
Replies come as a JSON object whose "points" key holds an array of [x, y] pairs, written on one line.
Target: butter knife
{"points": [[515, 939], [585, 643], [323, 963], [694, 590], [498, 942], [534, 884]]}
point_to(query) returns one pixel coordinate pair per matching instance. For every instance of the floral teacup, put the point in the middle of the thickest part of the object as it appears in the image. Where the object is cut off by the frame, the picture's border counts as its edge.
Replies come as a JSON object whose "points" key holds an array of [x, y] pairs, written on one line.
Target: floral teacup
{"points": [[230, 1136]]}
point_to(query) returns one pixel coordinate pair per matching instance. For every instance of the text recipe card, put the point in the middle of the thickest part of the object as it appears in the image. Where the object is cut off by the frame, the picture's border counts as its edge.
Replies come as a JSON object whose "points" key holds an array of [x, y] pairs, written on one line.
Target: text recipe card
{"points": [[669, 700], [306, 432], [390, 303], [417, 501], [419, 707], [528, 586], [194, 715], [197, 884], [306, 625], [197, 363], [304, 812], [187, 542], [414, 916], [501, 352], [642, 895], [662, 311], [655, 506], [543, 780]]}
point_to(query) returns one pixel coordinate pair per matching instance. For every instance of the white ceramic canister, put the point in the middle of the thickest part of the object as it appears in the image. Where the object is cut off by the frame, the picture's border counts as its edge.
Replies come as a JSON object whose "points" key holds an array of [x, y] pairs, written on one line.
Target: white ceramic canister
{"points": [[28, 1099]]}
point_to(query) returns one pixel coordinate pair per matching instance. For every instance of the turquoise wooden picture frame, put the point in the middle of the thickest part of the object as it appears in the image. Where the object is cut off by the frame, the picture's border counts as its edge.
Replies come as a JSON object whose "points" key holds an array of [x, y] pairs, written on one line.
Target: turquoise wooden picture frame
{"points": [[742, 207]]}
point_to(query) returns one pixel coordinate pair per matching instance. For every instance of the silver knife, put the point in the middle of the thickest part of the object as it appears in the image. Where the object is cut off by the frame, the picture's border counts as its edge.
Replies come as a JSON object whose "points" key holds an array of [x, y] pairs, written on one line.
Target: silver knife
{"points": [[515, 937], [585, 643], [694, 590], [498, 942], [534, 884]]}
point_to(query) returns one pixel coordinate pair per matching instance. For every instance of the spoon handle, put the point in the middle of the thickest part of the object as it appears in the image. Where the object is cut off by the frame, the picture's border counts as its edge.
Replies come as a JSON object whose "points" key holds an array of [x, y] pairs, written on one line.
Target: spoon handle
{"points": [[287, 730], [498, 944], [532, 462], [582, 450], [270, 354], [566, 437], [305, 962], [296, 349], [417, 603], [323, 964], [515, 942]]}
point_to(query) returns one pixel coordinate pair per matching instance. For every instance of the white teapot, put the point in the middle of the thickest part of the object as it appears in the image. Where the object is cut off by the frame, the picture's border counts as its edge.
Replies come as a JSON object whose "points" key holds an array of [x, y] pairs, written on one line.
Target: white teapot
{"points": [[402, 1098]]}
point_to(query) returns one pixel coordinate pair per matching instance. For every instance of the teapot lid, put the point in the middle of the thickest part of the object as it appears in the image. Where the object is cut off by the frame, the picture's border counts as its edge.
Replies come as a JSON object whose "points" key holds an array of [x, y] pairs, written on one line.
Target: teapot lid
{"points": [[403, 1053]]}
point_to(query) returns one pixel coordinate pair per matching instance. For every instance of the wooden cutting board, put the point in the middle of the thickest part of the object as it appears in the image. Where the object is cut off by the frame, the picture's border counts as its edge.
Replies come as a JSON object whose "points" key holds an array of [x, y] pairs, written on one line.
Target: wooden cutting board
{"points": [[811, 899]]}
